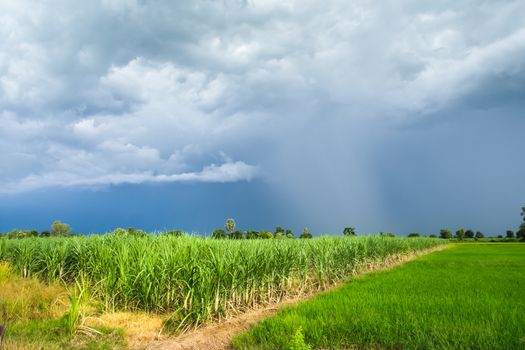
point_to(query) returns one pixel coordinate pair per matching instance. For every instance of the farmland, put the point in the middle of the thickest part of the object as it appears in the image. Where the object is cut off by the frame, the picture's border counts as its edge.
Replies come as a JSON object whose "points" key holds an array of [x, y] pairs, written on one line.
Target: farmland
{"points": [[469, 296], [191, 280]]}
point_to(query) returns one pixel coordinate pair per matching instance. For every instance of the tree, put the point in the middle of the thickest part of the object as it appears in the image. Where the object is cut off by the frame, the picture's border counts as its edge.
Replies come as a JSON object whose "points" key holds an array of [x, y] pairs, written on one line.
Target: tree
{"points": [[237, 234], [279, 235], [230, 225], [173, 233], [45, 234], [432, 236], [218, 234], [60, 229], [387, 234], [413, 234], [289, 234], [306, 234], [521, 232], [445, 234], [510, 234], [349, 231], [279, 229], [479, 235], [250, 234], [469, 234], [265, 235], [460, 234]]}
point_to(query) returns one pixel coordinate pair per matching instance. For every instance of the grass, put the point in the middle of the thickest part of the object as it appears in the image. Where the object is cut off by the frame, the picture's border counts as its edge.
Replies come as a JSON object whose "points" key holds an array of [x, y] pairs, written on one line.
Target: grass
{"points": [[195, 279], [467, 297], [37, 314]]}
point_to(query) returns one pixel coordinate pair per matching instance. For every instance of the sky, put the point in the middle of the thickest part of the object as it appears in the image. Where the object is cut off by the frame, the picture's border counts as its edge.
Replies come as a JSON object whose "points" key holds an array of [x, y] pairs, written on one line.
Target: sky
{"points": [[401, 116]]}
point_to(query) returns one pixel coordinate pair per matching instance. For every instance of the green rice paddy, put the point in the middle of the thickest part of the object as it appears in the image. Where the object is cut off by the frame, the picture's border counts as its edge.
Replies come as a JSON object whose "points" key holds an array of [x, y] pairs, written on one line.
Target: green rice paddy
{"points": [[469, 296]]}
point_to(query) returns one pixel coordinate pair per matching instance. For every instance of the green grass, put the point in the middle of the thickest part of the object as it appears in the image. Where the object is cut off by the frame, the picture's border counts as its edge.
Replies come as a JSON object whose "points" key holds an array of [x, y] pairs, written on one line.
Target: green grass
{"points": [[197, 279], [470, 296]]}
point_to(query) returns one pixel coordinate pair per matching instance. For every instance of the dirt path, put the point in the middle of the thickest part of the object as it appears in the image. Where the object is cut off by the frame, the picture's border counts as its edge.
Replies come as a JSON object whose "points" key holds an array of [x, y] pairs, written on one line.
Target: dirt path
{"points": [[218, 336]]}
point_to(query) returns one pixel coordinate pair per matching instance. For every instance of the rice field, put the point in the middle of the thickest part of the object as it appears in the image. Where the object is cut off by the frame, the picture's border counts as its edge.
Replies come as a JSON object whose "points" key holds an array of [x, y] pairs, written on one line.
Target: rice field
{"points": [[194, 279], [469, 296]]}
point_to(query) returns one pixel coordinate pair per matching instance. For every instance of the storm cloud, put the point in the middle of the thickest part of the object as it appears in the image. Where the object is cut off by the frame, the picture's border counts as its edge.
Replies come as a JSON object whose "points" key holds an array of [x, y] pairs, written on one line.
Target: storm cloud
{"points": [[402, 115]]}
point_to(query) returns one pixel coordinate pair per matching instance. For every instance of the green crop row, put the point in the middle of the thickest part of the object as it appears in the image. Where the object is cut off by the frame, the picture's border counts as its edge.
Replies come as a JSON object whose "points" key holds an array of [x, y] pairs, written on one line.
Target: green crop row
{"points": [[198, 279]]}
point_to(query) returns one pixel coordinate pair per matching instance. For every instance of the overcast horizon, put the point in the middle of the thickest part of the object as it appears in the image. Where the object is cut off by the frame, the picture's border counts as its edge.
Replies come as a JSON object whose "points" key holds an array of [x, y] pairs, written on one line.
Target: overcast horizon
{"points": [[401, 116]]}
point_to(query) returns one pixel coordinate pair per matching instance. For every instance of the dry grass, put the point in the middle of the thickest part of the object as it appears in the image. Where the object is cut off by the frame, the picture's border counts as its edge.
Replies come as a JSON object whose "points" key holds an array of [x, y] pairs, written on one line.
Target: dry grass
{"points": [[139, 328], [29, 299]]}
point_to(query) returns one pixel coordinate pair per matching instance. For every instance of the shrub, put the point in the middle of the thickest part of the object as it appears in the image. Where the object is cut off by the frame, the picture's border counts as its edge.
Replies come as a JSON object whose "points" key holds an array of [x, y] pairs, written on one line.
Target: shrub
{"points": [[297, 342], [414, 234]]}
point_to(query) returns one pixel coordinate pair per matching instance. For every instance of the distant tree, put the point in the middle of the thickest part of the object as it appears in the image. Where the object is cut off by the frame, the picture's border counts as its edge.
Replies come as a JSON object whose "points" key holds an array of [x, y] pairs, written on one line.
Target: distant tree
{"points": [[413, 234], [289, 234], [237, 234], [219, 234], [279, 229], [13, 234], [132, 232], [279, 235], [445, 234], [479, 235], [230, 225], [306, 234], [265, 235], [45, 234], [432, 236], [250, 234], [510, 234], [387, 234], [521, 232], [173, 233], [469, 234], [460, 234], [119, 231], [500, 236], [60, 229], [349, 231]]}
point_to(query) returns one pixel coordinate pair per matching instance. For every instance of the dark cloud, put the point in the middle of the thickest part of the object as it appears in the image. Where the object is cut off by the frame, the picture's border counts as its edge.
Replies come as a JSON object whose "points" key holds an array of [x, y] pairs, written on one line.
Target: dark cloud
{"points": [[319, 99]]}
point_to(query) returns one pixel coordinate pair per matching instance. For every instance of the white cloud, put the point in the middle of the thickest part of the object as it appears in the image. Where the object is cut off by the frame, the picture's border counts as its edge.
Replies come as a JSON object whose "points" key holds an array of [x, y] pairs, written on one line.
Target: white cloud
{"points": [[227, 172]]}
